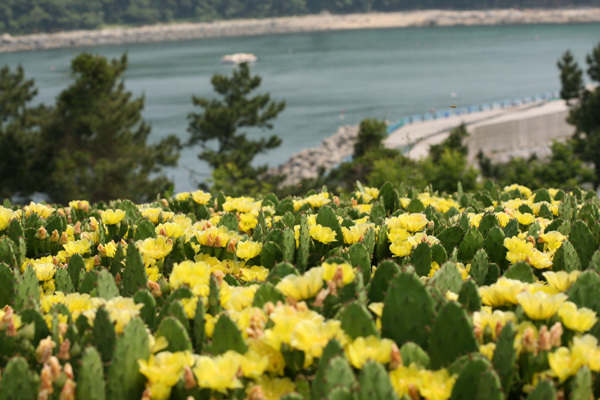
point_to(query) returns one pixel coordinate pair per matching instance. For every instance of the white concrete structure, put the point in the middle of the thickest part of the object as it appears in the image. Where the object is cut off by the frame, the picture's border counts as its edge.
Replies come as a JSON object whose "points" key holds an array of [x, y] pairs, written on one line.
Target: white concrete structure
{"points": [[499, 133]]}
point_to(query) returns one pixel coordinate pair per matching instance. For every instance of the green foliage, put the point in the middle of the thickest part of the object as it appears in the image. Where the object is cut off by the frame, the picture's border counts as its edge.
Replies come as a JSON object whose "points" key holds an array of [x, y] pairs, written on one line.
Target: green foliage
{"points": [[95, 140], [19, 134], [583, 114], [18, 382], [370, 137], [221, 119], [91, 384]]}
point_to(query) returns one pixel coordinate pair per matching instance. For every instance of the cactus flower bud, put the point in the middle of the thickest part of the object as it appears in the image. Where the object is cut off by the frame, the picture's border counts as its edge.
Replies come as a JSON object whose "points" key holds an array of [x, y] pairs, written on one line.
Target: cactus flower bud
{"points": [[528, 341], [544, 341], [555, 334], [77, 228], [64, 238], [44, 349], [55, 368], [154, 288], [396, 357], [45, 382], [68, 370], [231, 246], [55, 237], [42, 233], [188, 376], [256, 393], [63, 352], [68, 391]]}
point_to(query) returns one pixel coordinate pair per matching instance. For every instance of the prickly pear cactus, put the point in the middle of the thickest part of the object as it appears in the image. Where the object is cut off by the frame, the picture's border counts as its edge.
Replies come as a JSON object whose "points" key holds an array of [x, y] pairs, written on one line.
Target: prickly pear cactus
{"points": [[125, 380], [584, 242], [7, 285], [134, 275], [412, 353], [408, 311], [543, 391], [477, 380], [361, 259], [327, 218], [172, 329], [18, 382], [104, 336], [451, 336], [421, 259], [90, 383], [375, 383], [472, 242], [447, 278], [357, 322], [27, 290], [581, 385], [505, 356], [385, 273], [566, 258], [227, 336], [469, 296], [303, 245], [106, 287], [319, 387]]}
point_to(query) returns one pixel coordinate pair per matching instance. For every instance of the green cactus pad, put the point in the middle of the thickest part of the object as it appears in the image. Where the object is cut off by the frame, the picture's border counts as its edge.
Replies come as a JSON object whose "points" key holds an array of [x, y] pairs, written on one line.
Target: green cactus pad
{"points": [[476, 381], [361, 259], [124, 378], [543, 391], [173, 330], [451, 336], [374, 383], [472, 242], [447, 278], [584, 242], [104, 337], [90, 383], [451, 237], [106, 286], [227, 336], [18, 382], [148, 311], [357, 322], [421, 258], [408, 311], [412, 353], [319, 390], [134, 275], [505, 356], [469, 296], [494, 247], [267, 293], [7, 285], [520, 271], [27, 290]]}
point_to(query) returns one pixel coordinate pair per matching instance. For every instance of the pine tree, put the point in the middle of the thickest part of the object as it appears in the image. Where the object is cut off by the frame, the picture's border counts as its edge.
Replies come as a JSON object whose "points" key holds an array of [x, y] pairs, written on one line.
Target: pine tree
{"points": [[19, 134], [96, 140], [570, 77], [585, 116], [220, 122]]}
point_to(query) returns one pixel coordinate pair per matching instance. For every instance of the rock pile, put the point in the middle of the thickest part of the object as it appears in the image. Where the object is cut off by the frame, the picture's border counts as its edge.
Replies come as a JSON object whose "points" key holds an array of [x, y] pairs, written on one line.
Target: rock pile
{"points": [[306, 163]]}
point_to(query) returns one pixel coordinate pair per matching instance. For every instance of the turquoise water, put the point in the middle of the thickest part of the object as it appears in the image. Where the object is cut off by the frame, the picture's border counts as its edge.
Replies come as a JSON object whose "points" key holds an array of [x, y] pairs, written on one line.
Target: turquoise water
{"points": [[383, 73]]}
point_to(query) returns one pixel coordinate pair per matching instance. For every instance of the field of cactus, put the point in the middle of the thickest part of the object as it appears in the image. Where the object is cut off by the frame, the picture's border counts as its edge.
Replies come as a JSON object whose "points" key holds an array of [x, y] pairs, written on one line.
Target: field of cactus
{"points": [[388, 293]]}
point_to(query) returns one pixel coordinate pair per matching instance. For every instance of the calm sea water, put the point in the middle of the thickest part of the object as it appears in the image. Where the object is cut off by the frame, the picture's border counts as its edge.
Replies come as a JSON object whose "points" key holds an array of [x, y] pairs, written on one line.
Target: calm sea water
{"points": [[383, 73]]}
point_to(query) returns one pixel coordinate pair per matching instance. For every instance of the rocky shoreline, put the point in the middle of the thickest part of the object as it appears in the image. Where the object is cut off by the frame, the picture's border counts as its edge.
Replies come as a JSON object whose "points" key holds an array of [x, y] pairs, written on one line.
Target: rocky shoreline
{"points": [[309, 23]]}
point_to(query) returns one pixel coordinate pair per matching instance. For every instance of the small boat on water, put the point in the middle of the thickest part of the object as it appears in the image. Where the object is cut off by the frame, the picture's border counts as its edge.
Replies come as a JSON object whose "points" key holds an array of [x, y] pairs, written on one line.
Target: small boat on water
{"points": [[238, 58]]}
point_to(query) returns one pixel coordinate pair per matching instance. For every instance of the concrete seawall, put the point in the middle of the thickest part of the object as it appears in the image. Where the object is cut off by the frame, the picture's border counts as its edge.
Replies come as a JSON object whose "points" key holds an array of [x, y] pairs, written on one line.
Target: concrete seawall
{"points": [[501, 134]]}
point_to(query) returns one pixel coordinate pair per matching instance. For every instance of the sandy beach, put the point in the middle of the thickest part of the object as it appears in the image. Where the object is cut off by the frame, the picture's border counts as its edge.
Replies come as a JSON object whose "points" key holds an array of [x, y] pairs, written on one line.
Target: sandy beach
{"points": [[309, 23]]}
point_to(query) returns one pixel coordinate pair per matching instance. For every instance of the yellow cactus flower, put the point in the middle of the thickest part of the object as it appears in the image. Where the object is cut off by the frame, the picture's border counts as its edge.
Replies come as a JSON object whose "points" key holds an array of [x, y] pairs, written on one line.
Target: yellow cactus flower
{"points": [[170, 229], [44, 271], [540, 305], [411, 222], [112, 217], [404, 379], [248, 249], [578, 320], [77, 303], [401, 248], [77, 247], [376, 308], [163, 371], [43, 210], [248, 222], [200, 197], [122, 310], [155, 249], [436, 385], [322, 234], [503, 218], [371, 348], [561, 280], [488, 350], [195, 275], [485, 318], [552, 240], [331, 270], [302, 287], [355, 233], [242, 204], [564, 364], [254, 273], [318, 200], [311, 337], [586, 348], [540, 260], [82, 205], [6, 215], [518, 250], [218, 373], [271, 388], [237, 297], [524, 190], [503, 292], [155, 214], [189, 305], [524, 218]]}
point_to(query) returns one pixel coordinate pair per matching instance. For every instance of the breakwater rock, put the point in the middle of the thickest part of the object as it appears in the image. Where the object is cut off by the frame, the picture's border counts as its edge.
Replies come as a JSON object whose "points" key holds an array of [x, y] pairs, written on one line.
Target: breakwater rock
{"points": [[306, 163], [308, 23]]}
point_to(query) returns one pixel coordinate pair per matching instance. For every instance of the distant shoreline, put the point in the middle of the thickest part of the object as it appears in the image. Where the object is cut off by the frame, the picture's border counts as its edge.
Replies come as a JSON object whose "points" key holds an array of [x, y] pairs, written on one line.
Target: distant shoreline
{"points": [[309, 23]]}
